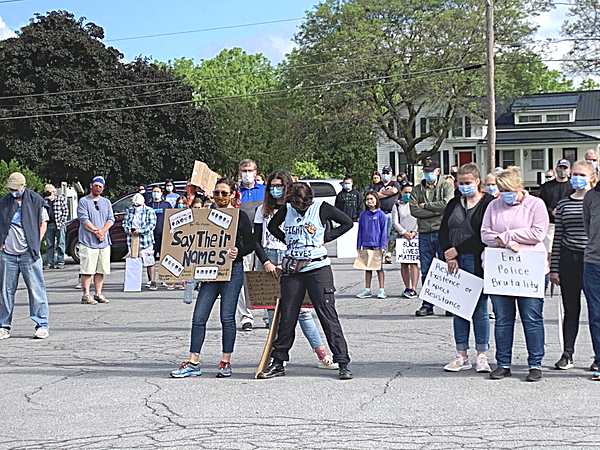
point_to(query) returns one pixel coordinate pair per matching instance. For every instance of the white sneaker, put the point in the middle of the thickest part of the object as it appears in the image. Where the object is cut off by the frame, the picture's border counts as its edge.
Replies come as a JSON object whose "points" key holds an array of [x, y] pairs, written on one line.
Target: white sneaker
{"points": [[148, 283], [482, 364], [327, 363], [459, 364], [41, 333], [366, 293], [4, 333]]}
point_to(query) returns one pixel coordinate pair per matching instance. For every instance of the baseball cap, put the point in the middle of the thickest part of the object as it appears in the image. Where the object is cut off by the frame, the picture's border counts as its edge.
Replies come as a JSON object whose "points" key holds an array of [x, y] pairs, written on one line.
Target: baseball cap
{"points": [[15, 180], [429, 165], [564, 162], [387, 169], [99, 179]]}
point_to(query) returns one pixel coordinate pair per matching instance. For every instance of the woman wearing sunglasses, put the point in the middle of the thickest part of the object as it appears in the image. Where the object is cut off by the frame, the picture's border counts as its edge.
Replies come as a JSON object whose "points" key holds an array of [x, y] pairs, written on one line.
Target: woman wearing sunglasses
{"points": [[224, 196]]}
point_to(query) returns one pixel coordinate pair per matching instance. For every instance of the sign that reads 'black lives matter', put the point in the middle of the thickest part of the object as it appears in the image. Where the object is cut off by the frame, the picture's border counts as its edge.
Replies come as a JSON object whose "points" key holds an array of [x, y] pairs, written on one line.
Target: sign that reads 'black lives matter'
{"points": [[196, 243]]}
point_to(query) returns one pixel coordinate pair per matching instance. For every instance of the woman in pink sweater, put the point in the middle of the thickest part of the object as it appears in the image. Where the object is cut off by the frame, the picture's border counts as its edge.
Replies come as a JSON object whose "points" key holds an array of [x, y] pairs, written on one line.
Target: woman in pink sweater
{"points": [[519, 222]]}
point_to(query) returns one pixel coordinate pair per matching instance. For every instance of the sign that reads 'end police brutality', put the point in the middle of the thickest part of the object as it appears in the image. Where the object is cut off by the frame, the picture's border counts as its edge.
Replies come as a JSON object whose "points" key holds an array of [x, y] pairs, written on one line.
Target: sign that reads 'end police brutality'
{"points": [[516, 274], [196, 243]]}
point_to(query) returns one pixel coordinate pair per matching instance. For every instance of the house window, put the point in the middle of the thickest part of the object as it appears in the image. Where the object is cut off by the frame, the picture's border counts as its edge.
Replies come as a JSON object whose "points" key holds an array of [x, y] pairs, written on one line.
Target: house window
{"points": [[508, 158], [423, 125], [558, 117], [532, 118], [467, 127], [537, 159], [570, 154], [434, 123], [457, 128]]}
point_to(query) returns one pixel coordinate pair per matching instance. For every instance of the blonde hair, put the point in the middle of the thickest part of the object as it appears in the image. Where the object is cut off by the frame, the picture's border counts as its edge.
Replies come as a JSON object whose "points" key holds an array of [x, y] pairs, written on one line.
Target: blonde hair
{"points": [[510, 179], [473, 170], [590, 167]]}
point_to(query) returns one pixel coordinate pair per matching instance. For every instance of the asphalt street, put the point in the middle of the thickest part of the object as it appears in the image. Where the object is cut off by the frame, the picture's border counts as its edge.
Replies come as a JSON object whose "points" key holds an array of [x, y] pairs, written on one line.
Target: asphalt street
{"points": [[101, 381]]}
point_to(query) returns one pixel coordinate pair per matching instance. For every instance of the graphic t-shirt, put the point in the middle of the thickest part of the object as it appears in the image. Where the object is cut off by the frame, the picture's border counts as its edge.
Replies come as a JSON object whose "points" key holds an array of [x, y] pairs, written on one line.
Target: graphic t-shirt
{"points": [[268, 240]]}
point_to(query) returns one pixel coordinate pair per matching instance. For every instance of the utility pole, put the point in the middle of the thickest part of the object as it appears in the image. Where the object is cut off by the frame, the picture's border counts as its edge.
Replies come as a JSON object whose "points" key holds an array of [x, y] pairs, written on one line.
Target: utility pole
{"points": [[491, 92]]}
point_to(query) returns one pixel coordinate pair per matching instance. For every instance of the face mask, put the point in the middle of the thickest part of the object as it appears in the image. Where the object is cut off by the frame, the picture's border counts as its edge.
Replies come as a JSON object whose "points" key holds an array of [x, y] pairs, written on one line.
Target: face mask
{"points": [[169, 189], [347, 186], [137, 206], [142, 191], [595, 164], [370, 203], [247, 177], [579, 182], [180, 205], [549, 178], [508, 197], [430, 177], [222, 202], [492, 189], [405, 197], [156, 195], [386, 176], [276, 192], [376, 180], [17, 194], [561, 173], [467, 190]]}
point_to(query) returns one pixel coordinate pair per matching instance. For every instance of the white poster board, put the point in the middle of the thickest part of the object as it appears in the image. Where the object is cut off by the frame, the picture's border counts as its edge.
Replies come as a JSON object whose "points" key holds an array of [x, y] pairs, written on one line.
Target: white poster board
{"points": [[346, 243], [516, 274], [457, 293], [133, 275], [407, 251]]}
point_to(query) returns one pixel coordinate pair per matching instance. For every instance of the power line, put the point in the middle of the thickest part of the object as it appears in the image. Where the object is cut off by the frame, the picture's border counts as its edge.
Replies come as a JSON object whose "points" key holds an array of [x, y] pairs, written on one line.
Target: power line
{"points": [[13, 1]]}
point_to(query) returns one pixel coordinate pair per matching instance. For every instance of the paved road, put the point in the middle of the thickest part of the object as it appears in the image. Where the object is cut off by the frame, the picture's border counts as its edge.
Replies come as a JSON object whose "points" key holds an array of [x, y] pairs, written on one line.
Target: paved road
{"points": [[101, 381]]}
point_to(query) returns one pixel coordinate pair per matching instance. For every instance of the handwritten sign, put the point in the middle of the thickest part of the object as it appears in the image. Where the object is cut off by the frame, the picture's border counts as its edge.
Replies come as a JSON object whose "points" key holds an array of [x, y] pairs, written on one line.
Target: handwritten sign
{"points": [[516, 274], [203, 177], [457, 293], [195, 245], [407, 251], [346, 243], [264, 290]]}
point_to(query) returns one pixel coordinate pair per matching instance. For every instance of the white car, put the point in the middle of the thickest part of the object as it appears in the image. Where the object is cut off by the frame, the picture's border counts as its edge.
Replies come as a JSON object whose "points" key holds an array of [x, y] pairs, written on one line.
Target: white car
{"points": [[325, 189]]}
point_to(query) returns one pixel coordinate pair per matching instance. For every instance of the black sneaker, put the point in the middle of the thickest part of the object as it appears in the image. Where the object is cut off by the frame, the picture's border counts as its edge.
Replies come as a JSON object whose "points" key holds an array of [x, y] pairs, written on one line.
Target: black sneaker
{"points": [[565, 362], [276, 369], [534, 375], [345, 373], [247, 327], [153, 286], [593, 367], [424, 311], [499, 373]]}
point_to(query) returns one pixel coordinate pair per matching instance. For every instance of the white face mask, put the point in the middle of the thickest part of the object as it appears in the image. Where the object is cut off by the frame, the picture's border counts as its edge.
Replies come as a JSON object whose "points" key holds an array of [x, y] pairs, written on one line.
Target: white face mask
{"points": [[248, 177]]}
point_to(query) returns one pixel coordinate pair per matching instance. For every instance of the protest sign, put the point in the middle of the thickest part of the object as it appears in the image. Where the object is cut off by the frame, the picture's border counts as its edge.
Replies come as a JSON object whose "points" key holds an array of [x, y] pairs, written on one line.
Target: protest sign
{"points": [[133, 275], [368, 260], [203, 177], [518, 274], [195, 244], [407, 251], [264, 290], [457, 293], [346, 243]]}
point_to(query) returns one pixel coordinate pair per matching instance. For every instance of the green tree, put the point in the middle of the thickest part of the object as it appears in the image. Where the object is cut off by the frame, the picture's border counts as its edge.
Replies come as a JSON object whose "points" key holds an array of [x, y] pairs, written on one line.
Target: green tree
{"points": [[583, 29], [34, 182]]}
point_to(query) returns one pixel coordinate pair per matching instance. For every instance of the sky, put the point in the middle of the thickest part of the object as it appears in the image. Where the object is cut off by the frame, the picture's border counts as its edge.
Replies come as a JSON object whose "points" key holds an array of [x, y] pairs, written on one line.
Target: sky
{"points": [[122, 19]]}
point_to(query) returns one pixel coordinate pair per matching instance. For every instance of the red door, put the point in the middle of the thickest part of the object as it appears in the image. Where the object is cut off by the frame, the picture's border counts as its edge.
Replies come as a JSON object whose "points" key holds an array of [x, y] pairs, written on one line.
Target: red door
{"points": [[464, 158]]}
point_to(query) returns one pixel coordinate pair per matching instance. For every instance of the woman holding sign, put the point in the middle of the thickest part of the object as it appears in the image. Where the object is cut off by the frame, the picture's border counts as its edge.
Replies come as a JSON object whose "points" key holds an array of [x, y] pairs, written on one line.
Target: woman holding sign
{"points": [[519, 222], [460, 239], [224, 196], [406, 227]]}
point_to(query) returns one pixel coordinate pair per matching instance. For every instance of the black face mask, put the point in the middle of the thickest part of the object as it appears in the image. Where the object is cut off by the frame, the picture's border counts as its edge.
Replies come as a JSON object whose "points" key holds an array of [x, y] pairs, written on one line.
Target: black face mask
{"points": [[47, 194]]}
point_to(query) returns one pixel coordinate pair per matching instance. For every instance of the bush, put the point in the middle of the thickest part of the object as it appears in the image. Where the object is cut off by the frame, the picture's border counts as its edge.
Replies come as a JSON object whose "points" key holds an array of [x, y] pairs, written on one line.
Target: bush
{"points": [[34, 182]]}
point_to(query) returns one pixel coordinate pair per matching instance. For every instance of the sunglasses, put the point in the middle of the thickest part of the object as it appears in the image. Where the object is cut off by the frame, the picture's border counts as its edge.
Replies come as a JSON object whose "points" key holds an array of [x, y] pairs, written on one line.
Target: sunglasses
{"points": [[96, 205], [221, 193], [406, 183]]}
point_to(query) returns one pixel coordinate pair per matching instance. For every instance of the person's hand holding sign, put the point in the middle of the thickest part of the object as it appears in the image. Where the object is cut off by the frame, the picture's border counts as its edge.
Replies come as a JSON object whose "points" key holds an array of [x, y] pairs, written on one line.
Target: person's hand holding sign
{"points": [[233, 252], [452, 266], [271, 269], [515, 248], [451, 253]]}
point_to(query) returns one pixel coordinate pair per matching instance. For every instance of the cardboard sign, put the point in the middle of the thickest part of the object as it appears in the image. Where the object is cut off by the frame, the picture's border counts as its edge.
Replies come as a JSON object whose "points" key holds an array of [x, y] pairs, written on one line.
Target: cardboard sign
{"points": [[135, 246], [368, 260], [195, 244], [266, 354], [457, 293], [516, 274], [407, 251], [264, 290], [203, 177], [346, 243]]}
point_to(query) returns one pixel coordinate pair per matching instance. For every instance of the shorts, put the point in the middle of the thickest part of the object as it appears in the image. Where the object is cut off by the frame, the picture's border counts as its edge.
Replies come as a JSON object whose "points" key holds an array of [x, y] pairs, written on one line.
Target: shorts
{"points": [[94, 260], [147, 255]]}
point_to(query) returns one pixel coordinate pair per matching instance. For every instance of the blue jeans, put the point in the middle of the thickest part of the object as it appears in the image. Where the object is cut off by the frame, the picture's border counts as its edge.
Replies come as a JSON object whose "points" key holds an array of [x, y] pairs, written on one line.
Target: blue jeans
{"points": [[207, 295], [429, 246], [530, 310], [591, 288], [54, 234], [481, 319], [10, 268], [306, 320]]}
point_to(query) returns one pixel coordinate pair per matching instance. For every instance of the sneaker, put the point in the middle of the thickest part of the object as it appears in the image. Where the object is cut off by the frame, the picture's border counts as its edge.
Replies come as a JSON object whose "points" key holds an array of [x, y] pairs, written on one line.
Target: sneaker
{"points": [[593, 367], [59, 266], [500, 372], [153, 286], [163, 284], [564, 363], [406, 293], [327, 363], [458, 364], [171, 287], [100, 298], [187, 369], [148, 284], [412, 293], [534, 375], [482, 364], [424, 311], [381, 294], [276, 369], [596, 376], [247, 327], [88, 300], [47, 266], [224, 369], [78, 285], [4, 333], [345, 373], [366, 293], [41, 333]]}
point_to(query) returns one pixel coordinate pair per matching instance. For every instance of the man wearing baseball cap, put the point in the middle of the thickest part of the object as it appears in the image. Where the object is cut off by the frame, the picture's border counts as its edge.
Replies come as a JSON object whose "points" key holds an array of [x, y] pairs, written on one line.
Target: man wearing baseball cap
{"points": [[95, 218], [554, 190], [23, 221]]}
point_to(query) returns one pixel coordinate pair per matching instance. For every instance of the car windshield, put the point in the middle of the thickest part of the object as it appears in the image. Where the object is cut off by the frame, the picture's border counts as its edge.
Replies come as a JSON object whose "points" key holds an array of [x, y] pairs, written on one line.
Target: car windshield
{"points": [[322, 189]]}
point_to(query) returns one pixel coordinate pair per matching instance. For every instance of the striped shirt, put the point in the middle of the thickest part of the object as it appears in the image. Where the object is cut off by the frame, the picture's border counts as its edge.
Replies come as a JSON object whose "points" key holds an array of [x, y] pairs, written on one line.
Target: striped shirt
{"points": [[569, 232]]}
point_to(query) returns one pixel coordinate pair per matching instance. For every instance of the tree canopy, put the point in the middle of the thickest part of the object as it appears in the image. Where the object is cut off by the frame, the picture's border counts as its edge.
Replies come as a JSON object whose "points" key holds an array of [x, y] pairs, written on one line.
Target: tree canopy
{"points": [[583, 29]]}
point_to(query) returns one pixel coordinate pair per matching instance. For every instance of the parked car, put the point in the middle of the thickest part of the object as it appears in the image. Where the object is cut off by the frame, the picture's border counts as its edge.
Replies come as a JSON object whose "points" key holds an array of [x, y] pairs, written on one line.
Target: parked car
{"points": [[118, 248], [325, 190]]}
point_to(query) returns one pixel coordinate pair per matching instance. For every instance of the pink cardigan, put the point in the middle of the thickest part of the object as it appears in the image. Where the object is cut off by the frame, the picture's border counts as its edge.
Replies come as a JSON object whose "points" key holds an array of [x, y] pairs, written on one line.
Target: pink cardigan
{"points": [[524, 223]]}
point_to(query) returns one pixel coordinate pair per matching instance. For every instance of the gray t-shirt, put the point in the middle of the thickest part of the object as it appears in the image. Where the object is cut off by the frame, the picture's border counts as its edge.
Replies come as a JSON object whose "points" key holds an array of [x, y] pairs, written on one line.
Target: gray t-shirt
{"points": [[98, 212], [458, 224], [15, 242]]}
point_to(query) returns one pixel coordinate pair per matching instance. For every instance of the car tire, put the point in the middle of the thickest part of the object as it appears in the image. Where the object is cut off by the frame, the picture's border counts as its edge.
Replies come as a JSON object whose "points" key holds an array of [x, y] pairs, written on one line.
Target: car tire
{"points": [[117, 255], [74, 251]]}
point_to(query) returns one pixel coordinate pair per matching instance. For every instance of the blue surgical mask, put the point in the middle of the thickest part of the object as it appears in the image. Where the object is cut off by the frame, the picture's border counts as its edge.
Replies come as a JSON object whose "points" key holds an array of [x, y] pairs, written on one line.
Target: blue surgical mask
{"points": [[467, 190], [579, 182], [595, 164], [276, 192], [347, 186], [169, 188], [386, 176], [508, 197], [430, 177], [492, 189], [405, 197], [156, 195], [180, 205], [17, 194]]}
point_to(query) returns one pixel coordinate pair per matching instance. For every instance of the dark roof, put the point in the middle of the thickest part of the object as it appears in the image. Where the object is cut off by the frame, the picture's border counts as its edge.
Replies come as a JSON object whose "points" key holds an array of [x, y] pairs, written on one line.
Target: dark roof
{"points": [[541, 136], [546, 102]]}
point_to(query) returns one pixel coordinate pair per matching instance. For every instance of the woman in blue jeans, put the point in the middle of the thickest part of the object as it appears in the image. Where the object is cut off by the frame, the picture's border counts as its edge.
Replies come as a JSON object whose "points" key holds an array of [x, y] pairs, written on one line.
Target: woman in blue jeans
{"points": [[270, 252], [460, 239], [224, 194]]}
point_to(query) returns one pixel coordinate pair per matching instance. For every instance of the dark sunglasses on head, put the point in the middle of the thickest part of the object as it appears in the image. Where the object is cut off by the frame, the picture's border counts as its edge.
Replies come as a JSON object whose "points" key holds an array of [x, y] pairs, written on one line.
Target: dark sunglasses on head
{"points": [[221, 193], [406, 183]]}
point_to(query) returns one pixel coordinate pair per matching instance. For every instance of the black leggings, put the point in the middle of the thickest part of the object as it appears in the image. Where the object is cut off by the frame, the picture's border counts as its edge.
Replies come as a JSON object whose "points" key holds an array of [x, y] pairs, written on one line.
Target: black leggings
{"points": [[571, 284]]}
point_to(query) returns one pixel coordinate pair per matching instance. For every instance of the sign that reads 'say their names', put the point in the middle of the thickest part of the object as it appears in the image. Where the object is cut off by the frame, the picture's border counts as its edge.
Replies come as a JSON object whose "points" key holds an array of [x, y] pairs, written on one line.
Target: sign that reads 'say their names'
{"points": [[516, 274], [407, 250], [195, 244], [457, 293]]}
